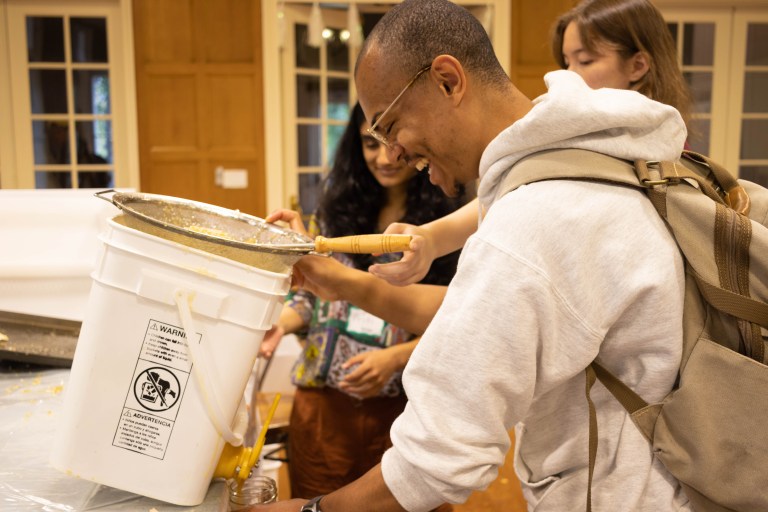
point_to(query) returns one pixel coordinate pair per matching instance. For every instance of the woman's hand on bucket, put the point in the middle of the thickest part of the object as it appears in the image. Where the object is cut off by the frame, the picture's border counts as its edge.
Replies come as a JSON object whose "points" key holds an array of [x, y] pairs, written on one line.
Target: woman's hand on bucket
{"points": [[271, 340], [321, 276], [292, 218]]}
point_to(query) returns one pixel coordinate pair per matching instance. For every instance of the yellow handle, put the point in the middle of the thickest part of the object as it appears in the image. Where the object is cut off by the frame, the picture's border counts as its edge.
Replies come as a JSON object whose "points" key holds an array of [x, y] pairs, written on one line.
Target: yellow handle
{"points": [[238, 461], [249, 459], [230, 461], [364, 244]]}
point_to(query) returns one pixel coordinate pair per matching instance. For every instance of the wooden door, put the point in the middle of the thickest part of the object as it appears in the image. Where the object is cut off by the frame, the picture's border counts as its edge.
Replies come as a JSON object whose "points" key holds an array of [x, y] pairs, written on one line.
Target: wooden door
{"points": [[200, 101], [531, 50]]}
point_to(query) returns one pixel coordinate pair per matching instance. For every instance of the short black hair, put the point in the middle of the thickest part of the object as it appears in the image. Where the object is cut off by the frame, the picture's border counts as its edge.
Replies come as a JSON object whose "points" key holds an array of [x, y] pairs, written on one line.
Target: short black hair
{"points": [[414, 32]]}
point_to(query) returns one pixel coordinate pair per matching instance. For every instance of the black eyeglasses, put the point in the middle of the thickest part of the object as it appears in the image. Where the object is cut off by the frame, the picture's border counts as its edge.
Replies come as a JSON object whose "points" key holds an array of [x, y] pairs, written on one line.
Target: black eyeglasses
{"points": [[372, 130]]}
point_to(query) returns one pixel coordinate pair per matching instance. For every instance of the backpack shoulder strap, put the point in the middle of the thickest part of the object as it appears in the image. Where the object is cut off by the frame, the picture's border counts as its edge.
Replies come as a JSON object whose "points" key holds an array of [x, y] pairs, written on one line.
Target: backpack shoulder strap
{"points": [[575, 164], [581, 164]]}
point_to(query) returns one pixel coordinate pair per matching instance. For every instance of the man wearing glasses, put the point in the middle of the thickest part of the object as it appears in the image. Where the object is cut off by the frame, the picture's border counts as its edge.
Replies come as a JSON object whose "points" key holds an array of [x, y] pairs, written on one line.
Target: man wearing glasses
{"points": [[557, 274]]}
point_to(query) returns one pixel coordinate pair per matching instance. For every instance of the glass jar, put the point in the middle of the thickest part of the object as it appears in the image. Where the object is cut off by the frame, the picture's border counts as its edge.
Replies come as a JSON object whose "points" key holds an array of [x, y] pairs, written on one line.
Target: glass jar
{"points": [[255, 490]]}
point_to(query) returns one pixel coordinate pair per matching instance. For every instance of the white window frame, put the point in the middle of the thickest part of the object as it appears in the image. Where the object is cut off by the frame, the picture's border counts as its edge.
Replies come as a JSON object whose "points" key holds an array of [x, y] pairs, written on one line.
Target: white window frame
{"points": [[289, 119], [741, 18], [728, 87], [721, 18], [280, 184], [16, 144]]}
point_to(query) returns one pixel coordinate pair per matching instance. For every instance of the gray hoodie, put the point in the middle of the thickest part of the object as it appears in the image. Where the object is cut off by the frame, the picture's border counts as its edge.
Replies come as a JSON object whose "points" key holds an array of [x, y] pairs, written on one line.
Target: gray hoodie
{"points": [[558, 273]]}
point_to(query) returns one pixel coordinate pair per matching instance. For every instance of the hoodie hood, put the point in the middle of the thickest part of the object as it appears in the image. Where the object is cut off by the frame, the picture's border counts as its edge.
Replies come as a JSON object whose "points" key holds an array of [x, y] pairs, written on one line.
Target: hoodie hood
{"points": [[621, 123]]}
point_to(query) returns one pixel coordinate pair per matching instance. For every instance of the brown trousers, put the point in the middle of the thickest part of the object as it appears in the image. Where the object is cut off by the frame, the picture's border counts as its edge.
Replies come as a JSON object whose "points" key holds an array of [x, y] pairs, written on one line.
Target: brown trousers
{"points": [[334, 439]]}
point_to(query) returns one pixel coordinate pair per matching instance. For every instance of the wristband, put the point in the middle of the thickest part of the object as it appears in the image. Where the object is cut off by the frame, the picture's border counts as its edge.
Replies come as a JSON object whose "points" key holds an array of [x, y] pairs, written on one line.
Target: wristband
{"points": [[312, 505]]}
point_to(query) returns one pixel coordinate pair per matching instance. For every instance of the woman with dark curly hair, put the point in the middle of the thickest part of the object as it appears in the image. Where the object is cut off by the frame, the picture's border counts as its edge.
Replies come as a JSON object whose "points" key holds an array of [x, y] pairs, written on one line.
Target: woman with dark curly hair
{"points": [[365, 192], [348, 375]]}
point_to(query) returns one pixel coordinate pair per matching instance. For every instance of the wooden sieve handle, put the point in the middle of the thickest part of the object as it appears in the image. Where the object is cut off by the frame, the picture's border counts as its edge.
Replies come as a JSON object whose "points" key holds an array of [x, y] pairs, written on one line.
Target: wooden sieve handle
{"points": [[364, 244]]}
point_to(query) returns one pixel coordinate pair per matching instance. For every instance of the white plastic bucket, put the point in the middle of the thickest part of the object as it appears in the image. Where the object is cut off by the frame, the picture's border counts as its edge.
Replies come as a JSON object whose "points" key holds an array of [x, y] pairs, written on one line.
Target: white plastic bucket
{"points": [[144, 411]]}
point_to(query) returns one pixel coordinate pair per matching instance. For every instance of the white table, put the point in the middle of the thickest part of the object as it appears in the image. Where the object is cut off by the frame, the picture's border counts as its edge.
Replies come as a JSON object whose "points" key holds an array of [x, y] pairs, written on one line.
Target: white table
{"points": [[30, 406]]}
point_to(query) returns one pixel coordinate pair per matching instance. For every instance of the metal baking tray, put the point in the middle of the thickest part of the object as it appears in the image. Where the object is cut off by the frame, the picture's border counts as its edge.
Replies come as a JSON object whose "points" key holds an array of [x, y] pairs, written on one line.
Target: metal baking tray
{"points": [[38, 339]]}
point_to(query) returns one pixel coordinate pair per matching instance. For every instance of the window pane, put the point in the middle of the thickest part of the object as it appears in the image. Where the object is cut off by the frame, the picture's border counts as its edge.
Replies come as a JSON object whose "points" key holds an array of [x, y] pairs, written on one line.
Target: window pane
{"points": [[91, 91], [51, 142], [334, 136], [338, 51], [338, 98], [673, 30], [48, 91], [753, 144], [95, 179], [309, 191], [698, 44], [89, 39], [306, 56], [370, 19], [307, 96], [754, 173], [310, 148], [45, 39], [755, 87], [701, 89], [698, 135], [48, 179], [94, 142], [757, 49]]}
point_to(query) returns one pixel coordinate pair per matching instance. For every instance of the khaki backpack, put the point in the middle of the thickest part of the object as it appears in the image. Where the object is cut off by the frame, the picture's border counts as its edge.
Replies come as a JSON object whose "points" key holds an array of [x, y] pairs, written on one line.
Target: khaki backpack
{"points": [[711, 430]]}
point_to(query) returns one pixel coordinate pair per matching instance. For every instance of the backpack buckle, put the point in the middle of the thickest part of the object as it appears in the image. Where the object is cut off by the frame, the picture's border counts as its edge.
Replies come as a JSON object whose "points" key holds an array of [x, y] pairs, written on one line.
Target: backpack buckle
{"points": [[655, 183], [644, 173]]}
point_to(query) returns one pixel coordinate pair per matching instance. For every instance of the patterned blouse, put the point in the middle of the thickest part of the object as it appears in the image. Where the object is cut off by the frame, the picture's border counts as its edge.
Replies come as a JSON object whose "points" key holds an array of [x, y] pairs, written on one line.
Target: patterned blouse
{"points": [[337, 331]]}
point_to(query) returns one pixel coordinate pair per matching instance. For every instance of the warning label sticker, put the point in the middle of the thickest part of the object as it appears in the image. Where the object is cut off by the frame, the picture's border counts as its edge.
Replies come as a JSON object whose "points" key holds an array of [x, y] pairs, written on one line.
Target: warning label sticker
{"points": [[167, 345], [143, 433], [157, 387]]}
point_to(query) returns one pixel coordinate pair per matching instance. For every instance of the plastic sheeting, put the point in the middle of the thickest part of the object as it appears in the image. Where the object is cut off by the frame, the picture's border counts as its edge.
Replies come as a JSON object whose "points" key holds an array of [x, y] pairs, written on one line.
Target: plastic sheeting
{"points": [[30, 407]]}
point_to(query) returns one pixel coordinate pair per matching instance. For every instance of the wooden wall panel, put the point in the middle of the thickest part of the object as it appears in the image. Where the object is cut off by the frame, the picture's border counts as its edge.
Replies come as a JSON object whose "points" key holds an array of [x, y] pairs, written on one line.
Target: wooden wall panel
{"points": [[172, 178], [200, 99], [530, 40], [230, 31], [171, 99], [233, 126], [166, 33]]}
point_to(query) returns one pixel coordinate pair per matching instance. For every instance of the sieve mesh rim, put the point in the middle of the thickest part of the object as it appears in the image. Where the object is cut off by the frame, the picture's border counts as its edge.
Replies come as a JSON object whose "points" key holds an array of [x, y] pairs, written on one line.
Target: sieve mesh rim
{"points": [[128, 202]]}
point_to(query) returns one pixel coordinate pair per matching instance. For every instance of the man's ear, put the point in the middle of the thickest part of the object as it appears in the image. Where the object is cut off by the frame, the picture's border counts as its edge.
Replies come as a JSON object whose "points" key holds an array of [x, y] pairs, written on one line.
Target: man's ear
{"points": [[449, 74], [640, 63]]}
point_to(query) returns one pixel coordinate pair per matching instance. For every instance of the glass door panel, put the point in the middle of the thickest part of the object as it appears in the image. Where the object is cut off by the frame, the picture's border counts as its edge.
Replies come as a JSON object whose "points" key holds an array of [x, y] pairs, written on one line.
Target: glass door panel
{"points": [[747, 127], [753, 155], [696, 50], [70, 101], [317, 112], [724, 57], [703, 39], [67, 87]]}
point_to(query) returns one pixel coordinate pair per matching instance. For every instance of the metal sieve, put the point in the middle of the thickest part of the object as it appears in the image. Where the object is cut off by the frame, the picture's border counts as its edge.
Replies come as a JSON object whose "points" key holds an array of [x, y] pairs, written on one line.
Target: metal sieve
{"points": [[232, 234]]}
